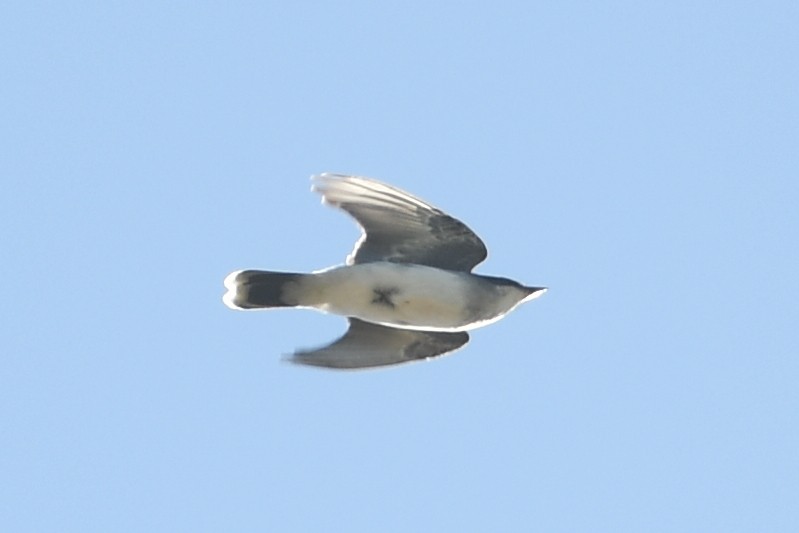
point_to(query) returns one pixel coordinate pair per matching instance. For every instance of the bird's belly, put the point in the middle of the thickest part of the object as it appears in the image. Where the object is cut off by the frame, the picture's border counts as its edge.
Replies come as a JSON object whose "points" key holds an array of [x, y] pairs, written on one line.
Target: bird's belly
{"points": [[416, 310], [404, 296]]}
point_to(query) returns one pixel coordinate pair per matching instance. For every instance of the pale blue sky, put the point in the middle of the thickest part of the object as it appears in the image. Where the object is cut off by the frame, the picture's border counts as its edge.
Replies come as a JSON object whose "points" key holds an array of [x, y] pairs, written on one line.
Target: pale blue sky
{"points": [[639, 158]]}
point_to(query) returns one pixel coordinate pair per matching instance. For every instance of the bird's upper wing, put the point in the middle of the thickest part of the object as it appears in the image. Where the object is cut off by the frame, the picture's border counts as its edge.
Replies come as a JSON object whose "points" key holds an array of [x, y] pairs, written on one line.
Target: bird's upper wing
{"points": [[368, 345], [400, 228]]}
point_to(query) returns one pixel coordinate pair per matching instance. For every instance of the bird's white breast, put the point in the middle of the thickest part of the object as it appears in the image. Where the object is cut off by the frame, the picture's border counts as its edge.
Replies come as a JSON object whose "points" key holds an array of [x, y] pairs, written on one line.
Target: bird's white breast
{"points": [[400, 295]]}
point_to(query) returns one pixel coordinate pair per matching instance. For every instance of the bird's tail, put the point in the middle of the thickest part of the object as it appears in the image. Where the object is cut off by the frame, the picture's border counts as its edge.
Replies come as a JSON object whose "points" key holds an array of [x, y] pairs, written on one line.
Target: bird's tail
{"points": [[259, 289]]}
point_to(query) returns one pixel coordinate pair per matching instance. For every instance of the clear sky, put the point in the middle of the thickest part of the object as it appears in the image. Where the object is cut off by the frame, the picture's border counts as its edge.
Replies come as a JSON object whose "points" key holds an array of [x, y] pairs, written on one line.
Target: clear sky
{"points": [[638, 158]]}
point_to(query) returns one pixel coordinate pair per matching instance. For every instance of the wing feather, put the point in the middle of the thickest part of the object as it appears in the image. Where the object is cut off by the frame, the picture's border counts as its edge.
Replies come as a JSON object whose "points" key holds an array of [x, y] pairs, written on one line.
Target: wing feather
{"points": [[367, 345], [399, 227]]}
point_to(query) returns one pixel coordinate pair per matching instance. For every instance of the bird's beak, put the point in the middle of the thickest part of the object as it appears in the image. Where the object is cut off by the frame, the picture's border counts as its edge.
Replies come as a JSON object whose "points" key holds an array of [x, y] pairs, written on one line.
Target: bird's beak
{"points": [[534, 292]]}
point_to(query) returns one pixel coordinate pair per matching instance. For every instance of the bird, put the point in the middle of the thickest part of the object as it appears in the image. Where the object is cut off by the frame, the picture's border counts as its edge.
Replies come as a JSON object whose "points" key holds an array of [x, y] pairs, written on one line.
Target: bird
{"points": [[407, 288]]}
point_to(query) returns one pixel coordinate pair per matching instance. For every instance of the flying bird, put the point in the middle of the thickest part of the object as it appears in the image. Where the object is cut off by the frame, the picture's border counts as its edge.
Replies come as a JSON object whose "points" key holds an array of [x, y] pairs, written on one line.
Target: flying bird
{"points": [[407, 288]]}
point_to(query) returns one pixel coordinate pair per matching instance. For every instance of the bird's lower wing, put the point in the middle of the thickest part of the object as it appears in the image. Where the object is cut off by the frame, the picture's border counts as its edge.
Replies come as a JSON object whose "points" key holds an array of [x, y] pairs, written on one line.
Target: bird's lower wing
{"points": [[367, 345]]}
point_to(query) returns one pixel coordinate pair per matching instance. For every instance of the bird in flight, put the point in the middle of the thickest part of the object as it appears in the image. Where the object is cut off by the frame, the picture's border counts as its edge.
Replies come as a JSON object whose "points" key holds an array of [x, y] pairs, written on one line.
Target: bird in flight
{"points": [[407, 288]]}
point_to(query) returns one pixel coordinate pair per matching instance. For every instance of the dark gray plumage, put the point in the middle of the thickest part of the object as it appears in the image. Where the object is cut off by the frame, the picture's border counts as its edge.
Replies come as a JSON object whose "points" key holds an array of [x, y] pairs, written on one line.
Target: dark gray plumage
{"points": [[400, 228]]}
